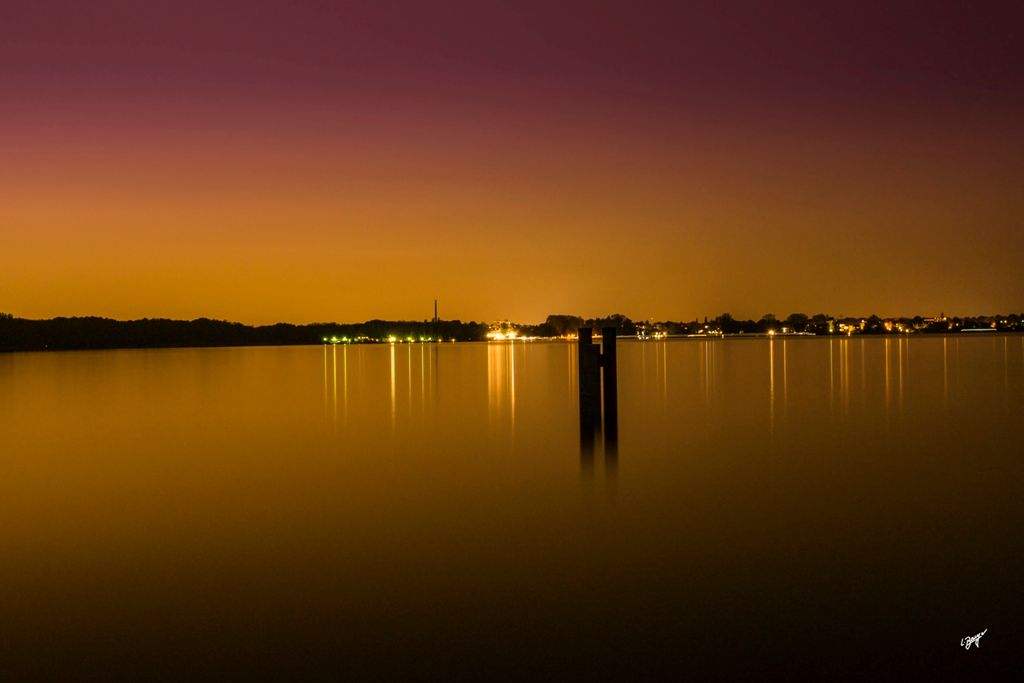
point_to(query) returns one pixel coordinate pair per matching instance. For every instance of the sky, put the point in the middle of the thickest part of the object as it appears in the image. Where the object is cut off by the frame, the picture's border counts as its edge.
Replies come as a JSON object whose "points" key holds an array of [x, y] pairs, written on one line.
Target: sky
{"points": [[340, 161]]}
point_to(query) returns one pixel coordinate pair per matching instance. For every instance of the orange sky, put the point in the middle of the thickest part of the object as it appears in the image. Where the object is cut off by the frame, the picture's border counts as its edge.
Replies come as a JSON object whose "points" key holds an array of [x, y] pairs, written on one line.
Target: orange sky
{"points": [[501, 192]]}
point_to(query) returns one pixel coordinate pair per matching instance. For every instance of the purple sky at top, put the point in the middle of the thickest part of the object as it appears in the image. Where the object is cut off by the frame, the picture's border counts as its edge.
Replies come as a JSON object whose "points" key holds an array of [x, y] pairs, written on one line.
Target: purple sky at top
{"points": [[804, 89]]}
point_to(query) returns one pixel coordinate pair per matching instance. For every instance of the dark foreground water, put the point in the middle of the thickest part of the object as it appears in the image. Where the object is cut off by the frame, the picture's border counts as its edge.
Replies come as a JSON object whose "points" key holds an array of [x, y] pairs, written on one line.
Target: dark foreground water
{"points": [[843, 506]]}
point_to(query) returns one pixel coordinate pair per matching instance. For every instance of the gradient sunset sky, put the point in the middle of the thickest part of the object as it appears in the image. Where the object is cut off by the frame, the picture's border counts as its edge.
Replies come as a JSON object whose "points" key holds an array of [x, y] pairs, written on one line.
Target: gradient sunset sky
{"points": [[322, 161]]}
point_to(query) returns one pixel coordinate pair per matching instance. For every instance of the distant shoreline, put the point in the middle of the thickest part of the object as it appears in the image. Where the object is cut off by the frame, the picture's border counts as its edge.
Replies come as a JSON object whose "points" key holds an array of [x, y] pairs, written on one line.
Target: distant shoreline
{"points": [[93, 333]]}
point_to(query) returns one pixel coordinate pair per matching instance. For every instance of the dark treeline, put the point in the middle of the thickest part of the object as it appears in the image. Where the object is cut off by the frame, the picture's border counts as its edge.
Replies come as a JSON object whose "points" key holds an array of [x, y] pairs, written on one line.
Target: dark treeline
{"points": [[19, 334], [796, 323], [562, 325]]}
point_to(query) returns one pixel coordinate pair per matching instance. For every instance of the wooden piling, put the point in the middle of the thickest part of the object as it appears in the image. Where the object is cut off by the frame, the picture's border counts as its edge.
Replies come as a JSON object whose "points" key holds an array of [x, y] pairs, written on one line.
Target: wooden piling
{"points": [[611, 390], [589, 381]]}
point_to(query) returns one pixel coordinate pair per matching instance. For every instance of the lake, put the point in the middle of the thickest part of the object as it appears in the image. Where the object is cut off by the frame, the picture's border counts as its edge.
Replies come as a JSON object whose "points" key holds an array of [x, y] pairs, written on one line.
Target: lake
{"points": [[425, 510]]}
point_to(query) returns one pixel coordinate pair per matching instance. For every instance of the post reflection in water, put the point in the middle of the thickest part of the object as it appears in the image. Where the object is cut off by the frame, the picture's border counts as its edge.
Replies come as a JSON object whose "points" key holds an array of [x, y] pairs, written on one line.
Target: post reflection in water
{"points": [[595, 431], [588, 439]]}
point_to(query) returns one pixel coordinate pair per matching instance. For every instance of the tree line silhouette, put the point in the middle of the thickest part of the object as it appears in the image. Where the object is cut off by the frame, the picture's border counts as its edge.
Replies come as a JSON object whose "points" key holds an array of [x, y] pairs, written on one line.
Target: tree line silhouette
{"points": [[797, 323], [20, 334]]}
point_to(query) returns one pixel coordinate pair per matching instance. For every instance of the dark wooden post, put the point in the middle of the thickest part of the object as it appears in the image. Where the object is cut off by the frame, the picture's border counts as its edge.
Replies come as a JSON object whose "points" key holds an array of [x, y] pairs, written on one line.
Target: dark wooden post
{"points": [[589, 380], [611, 391], [590, 397]]}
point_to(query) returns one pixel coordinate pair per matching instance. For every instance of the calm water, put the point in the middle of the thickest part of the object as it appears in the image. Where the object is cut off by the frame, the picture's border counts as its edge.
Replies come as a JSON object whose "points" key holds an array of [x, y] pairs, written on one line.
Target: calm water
{"points": [[339, 512]]}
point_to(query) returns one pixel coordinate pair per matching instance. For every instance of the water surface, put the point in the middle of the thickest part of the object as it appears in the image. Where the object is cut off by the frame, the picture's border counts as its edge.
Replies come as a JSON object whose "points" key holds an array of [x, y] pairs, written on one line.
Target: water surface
{"points": [[339, 512]]}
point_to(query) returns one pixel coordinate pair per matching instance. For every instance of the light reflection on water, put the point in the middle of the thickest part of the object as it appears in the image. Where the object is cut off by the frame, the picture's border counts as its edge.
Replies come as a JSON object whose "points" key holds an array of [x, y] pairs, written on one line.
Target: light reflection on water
{"points": [[444, 489]]}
